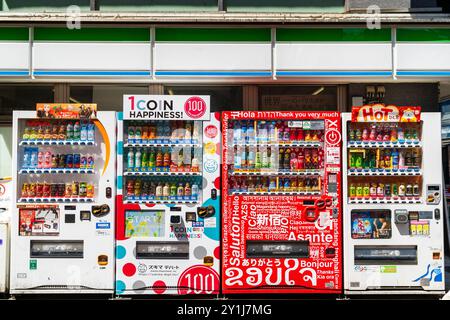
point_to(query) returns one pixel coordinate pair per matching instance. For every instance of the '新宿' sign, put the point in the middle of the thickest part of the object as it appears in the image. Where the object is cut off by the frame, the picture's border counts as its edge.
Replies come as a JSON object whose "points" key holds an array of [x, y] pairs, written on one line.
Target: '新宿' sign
{"points": [[165, 107]]}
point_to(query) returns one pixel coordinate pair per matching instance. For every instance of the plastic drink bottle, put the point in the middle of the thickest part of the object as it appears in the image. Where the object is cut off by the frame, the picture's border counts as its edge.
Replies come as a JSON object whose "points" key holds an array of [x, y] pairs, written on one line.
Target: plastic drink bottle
{"points": [[152, 159], [69, 131], [237, 133], [26, 158], [250, 132], [237, 158], [264, 158], [130, 159], [137, 159], [244, 131], [91, 132], [272, 132], [252, 158], [166, 190], [195, 190], [144, 161], [76, 131], [258, 158]]}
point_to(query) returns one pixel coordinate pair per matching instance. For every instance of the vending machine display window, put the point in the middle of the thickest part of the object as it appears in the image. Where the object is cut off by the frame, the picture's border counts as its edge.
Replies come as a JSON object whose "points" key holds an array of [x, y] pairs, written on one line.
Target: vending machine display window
{"points": [[163, 161], [276, 157], [281, 183], [371, 224], [149, 223]]}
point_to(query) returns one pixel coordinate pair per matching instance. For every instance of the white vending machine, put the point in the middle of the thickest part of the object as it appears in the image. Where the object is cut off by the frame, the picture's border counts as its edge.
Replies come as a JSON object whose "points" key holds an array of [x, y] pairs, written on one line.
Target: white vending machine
{"points": [[393, 201], [62, 226]]}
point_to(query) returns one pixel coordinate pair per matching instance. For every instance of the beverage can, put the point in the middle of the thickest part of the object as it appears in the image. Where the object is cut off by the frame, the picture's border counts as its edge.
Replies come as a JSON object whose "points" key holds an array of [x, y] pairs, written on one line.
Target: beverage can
{"points": [[46, 190], [401, 190], [387, 190], [352, 191], [82, 190], [69, 160], [62, 132], [76, 160], [54, 132], [83, 162], [90, 162], [32, 190], [62, 161], [373, 190], [24, 192], [75, 189], [90, 190], [409, 190], [54, 190], [394, 189], [380, 190], [130, 188], [55, 159], [68, 190], [61, 189], [39, 190], [47, 159], [416, 189], [366, 190], [359, 190]]}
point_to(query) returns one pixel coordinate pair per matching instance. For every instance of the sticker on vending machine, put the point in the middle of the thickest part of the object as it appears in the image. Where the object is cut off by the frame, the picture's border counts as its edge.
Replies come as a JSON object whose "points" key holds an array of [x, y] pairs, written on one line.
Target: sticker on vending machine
{"points": [[210, 222]]}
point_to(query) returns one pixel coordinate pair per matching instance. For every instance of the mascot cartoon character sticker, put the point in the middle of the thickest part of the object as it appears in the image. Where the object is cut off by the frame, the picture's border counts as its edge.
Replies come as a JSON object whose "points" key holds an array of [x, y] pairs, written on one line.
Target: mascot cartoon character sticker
{"points": [[409, 115]]}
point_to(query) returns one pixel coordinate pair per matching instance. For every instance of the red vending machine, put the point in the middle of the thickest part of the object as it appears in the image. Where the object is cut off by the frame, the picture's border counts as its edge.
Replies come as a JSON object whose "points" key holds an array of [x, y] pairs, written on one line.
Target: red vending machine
{"points": [[281, 202]]}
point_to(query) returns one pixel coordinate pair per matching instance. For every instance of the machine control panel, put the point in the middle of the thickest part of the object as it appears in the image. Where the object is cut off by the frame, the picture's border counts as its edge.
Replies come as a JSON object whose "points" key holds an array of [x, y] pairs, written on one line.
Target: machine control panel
{"points": [[433, 194]]}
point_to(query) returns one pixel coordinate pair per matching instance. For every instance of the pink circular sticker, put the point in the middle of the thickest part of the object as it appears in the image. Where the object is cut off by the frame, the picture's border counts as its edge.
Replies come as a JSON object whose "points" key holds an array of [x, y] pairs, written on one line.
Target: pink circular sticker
{"points": [[211, 131], [195, 107]]}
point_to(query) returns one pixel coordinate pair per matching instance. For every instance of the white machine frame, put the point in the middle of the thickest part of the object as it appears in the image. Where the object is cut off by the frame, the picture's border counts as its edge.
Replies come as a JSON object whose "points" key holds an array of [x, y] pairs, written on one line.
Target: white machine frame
{"points": [[51, 275]]}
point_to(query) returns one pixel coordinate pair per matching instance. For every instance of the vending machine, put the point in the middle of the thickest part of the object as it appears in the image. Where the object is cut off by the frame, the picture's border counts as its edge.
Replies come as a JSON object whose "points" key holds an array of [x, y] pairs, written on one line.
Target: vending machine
{"points": [[168, 197], [393, 201], [62, 226], [281, 189]]}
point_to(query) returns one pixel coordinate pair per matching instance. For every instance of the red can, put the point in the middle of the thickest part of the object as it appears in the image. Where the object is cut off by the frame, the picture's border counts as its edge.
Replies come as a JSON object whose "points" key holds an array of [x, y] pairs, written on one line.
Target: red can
{"points": [[39, 190], [300, 135], [130, 188]]}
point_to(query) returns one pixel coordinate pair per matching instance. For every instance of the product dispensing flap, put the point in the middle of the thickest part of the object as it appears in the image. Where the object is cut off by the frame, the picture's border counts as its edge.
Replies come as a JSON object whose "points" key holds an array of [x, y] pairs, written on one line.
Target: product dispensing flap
{"points": [[277, 249], [381, 255], [162, 250], [56, 248]]}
